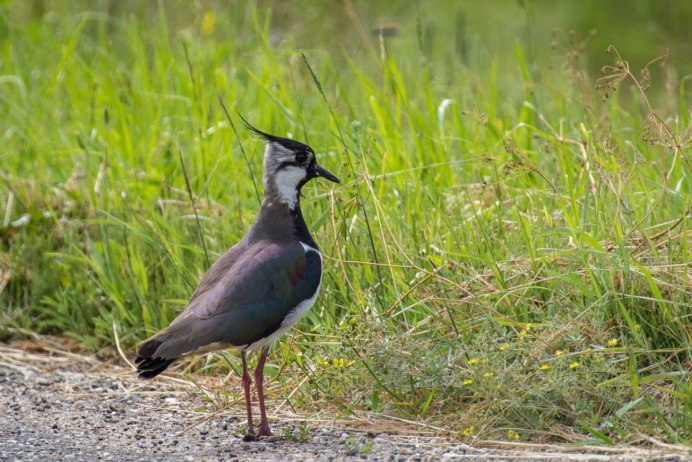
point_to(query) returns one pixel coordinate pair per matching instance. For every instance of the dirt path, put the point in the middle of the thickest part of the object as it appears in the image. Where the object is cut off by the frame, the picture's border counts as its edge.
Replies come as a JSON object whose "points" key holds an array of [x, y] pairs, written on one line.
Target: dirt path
{"points": [[62, 406]]}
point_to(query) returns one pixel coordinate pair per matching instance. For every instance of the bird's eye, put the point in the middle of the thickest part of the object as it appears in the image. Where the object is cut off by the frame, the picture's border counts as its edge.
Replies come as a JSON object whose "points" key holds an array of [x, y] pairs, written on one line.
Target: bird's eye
{"points": [[301, 157]]}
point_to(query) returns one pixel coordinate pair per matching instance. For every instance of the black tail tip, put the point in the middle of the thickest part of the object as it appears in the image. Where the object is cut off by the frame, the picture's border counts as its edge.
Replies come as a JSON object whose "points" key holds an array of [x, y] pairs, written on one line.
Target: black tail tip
{"points": [[148, 365], [148, 368]]}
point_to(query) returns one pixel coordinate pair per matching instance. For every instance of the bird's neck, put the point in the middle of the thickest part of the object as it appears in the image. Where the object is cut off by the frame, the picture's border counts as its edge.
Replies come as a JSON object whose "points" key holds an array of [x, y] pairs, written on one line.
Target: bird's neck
{"points": [[279, 220]]}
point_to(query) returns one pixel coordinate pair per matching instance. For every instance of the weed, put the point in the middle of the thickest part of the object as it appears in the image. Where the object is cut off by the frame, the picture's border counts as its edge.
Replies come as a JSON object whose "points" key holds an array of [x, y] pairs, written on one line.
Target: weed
{"points": [[358, 446], [301, 434]]}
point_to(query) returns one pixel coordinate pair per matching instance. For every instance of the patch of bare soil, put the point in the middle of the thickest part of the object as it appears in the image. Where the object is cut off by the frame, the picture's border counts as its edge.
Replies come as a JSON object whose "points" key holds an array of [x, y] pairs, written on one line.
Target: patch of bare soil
{"points": [[58, 405]]}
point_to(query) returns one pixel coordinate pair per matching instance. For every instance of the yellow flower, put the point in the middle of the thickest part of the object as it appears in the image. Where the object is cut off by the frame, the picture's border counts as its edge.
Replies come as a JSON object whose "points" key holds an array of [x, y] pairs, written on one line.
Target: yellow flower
{"points": [[613, 342], [504, 346], [467, 431], [512, 435], [208, 23], [472, 361], [467, 382], [574, 365], [544, 367], [488, 374], [338, 363], [525, 330], [558, 353]]}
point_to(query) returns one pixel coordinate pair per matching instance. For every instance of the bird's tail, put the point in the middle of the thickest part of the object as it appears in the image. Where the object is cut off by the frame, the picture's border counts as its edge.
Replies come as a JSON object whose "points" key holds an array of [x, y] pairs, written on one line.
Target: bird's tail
{"points": [[150, 365]]}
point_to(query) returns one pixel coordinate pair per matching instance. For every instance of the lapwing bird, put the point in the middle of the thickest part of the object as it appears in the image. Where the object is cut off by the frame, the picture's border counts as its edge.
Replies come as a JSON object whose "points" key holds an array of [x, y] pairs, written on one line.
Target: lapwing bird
{"points": [[259, 288]]}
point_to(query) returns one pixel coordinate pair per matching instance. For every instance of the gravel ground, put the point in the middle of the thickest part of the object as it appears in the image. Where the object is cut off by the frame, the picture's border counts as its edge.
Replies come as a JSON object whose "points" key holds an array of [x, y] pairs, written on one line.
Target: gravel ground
{"points": [[56, 407]]}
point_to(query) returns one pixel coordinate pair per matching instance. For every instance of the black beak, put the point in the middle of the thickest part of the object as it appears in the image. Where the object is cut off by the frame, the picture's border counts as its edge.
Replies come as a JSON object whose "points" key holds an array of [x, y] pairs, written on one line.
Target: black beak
{"points": [[319, 171]]}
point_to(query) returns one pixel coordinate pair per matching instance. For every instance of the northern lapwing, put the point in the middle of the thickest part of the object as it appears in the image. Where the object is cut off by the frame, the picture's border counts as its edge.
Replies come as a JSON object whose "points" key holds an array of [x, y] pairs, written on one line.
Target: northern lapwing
{"points": [[260, 287]]}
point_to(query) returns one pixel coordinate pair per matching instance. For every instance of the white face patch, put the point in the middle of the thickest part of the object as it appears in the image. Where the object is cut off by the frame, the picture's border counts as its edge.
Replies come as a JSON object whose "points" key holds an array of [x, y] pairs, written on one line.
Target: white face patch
{"points": [[287, 180]]}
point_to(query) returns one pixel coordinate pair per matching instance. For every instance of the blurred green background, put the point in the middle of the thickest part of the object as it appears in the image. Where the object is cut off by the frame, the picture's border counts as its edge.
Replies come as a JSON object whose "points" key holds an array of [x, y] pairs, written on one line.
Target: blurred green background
{"points": [[478, 31]]}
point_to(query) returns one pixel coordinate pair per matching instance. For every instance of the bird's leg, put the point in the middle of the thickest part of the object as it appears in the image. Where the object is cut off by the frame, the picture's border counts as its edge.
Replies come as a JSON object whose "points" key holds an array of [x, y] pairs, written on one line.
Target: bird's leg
{"points": [[247, 381], [259, 379]]}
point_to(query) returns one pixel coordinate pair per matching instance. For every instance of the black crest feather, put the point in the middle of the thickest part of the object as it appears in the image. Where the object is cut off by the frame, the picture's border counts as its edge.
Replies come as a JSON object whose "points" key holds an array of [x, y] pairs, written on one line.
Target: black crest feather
{"points": [[254, 130], [288, 143]]}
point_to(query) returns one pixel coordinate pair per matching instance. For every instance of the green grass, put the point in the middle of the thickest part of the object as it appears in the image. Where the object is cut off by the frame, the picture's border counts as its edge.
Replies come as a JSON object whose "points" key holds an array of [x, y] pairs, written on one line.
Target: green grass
{"points": [[507, 254]]}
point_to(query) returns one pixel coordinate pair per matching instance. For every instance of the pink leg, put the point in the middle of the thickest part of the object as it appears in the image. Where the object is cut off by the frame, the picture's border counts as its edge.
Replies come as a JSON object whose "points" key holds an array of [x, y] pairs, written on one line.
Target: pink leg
{"points": [[247, 381], [259, 379]]}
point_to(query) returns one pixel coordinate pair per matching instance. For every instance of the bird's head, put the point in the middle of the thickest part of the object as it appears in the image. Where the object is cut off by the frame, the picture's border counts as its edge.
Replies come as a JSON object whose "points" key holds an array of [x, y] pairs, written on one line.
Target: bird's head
{"points": [[288, 165]]}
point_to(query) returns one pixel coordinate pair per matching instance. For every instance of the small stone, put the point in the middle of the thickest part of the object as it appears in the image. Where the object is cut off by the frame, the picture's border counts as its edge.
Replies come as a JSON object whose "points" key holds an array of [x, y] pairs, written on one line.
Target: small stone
{"points": [[114, 408]]}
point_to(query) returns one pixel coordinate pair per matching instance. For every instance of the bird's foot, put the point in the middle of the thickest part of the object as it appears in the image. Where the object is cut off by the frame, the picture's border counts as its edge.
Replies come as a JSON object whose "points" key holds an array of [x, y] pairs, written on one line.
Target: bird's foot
{"points": [[264, 430], [250, 435]]}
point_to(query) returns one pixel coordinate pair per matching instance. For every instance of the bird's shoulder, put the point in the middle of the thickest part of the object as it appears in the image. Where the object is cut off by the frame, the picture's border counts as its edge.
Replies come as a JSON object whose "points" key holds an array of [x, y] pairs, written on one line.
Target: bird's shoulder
{"points": [[252, 272], [220, 268]]}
